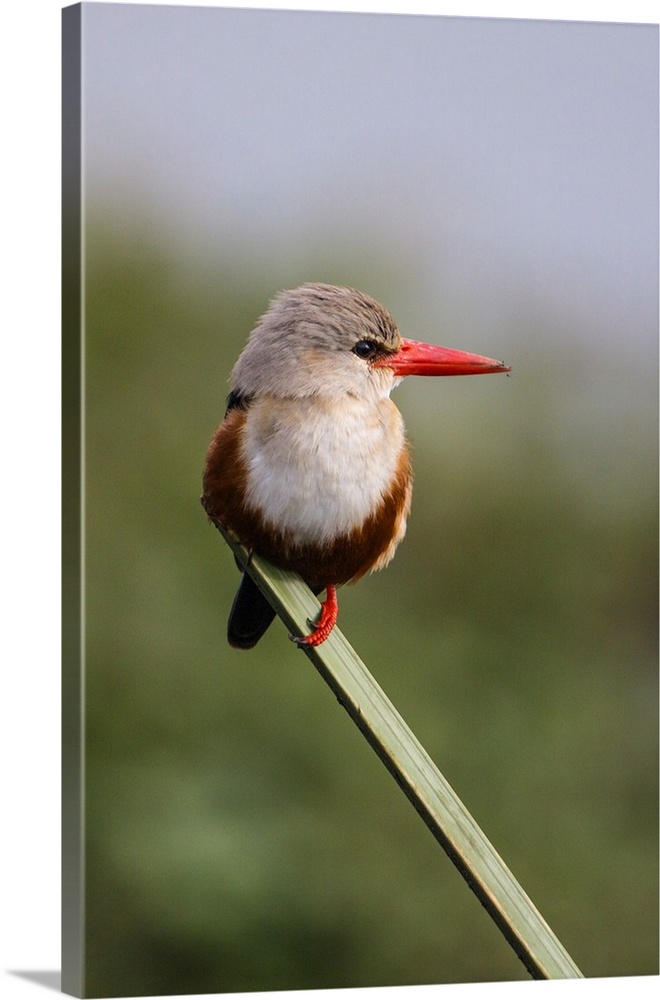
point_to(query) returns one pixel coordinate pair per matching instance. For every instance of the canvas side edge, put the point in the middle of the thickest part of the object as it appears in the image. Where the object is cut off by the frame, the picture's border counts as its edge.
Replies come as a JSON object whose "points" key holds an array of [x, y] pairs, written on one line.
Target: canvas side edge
{"points": [[72, 549]]}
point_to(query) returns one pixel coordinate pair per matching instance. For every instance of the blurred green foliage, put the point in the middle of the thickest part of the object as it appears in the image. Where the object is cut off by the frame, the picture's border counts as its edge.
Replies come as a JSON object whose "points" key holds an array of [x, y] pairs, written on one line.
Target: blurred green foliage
{"points": [[241, 835]]}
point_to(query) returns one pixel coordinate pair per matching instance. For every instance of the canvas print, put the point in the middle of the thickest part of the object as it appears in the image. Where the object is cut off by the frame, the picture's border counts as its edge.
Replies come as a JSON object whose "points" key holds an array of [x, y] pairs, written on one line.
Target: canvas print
{"points": [[282, 232]]}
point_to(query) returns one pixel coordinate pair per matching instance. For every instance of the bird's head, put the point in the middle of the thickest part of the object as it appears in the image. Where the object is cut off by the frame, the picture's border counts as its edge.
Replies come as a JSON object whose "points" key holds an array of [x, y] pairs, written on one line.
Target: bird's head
{"points": [[324, 340]]}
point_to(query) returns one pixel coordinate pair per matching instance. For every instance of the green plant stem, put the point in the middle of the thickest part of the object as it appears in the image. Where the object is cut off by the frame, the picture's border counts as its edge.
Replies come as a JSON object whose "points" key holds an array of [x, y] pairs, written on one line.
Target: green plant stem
{"points": [[436, 802]]}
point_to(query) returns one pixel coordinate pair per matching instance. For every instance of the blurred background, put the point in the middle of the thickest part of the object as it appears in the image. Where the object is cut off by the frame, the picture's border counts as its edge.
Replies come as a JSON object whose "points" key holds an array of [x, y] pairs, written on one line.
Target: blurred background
{"points": [[494, 184]]}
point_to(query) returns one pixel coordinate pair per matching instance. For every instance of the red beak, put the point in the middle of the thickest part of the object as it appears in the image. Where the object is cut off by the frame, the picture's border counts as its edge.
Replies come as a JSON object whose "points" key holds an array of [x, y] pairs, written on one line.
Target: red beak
{"points": [[416, 358]]}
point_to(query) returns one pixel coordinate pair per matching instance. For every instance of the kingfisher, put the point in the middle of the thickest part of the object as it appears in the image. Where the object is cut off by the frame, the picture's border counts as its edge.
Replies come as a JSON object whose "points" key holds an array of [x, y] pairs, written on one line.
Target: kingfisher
{"points": [[310, 467]]}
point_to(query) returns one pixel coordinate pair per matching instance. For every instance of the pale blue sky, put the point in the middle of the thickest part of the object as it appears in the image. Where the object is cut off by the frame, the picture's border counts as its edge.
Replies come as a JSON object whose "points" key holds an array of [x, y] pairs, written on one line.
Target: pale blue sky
{"points": [[511, 164]]}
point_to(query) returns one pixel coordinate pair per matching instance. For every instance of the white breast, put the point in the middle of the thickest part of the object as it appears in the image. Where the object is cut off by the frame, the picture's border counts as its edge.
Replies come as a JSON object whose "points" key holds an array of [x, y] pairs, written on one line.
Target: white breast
{"points": [[317, 468]]}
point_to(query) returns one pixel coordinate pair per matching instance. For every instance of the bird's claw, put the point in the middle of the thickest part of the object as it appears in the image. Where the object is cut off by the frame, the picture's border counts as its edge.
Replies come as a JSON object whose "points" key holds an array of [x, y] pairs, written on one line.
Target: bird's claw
{"points": [[312, 640], [299, 640], [322, 628]]}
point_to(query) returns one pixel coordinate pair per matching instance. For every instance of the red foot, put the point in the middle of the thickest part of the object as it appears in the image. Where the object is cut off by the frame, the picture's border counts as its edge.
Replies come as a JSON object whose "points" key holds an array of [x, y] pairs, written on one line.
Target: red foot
{"points": [[325, 624]]}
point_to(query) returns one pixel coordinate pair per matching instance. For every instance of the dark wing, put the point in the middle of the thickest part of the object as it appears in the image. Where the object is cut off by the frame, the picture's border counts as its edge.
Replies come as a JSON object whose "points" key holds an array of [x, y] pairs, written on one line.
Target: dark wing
{"points": [[237, 401], [250, 615]]}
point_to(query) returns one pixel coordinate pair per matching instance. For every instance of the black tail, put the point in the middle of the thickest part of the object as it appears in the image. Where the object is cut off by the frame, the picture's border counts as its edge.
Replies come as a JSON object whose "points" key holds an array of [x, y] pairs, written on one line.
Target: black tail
{"points": [[250, 615]]}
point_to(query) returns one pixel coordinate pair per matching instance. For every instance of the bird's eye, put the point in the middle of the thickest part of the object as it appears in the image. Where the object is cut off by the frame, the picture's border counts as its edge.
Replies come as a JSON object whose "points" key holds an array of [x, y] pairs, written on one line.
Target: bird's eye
{"points": [[366, 349]]}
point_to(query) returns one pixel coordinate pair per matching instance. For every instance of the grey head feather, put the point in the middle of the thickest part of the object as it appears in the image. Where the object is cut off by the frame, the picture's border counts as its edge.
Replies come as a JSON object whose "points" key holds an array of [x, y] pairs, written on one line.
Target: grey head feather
{"points": [[303, 343]]}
